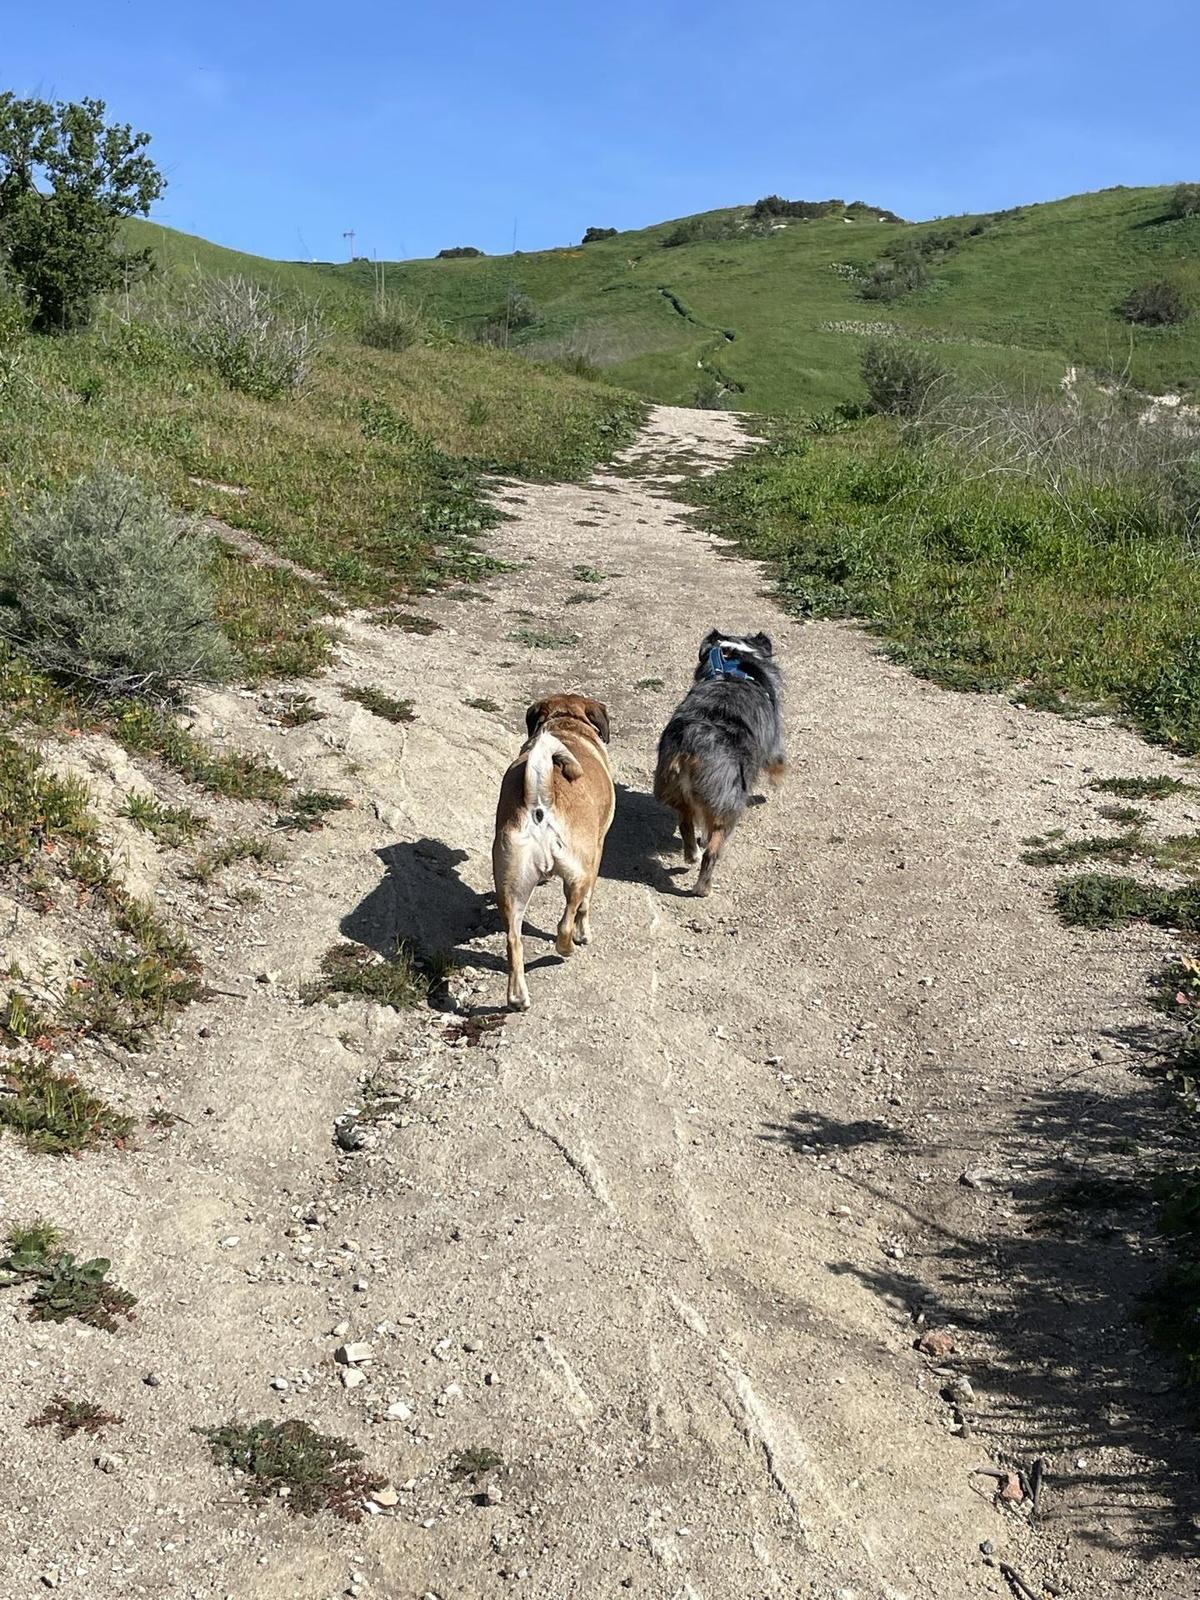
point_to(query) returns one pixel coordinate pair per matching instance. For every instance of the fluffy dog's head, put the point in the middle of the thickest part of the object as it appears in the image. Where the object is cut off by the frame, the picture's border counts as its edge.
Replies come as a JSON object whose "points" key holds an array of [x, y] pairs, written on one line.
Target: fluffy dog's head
{"points": [[573, 707], [753, 649]]}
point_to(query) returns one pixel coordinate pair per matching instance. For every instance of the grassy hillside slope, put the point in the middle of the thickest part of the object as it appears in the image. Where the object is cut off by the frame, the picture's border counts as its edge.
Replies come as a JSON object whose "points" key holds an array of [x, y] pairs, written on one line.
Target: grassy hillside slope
{"points": [[783, 316]]}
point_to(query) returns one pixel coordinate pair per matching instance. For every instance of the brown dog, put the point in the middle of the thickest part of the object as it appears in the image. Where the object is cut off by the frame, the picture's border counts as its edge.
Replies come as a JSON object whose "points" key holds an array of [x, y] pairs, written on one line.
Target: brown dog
{"points": [[556, 805]]}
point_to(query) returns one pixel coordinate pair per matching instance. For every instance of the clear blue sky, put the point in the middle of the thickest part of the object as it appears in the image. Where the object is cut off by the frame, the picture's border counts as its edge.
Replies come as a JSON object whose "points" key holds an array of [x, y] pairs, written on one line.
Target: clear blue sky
{"points": [[422, 125]]}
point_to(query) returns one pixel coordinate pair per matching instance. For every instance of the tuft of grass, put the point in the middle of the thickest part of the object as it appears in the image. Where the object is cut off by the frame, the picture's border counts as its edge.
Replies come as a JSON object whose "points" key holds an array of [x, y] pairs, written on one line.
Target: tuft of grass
{"points": [[23, 1023], [475, 1462], [308, 808], [238, 847], [296, 711], [290, 1461], [64, 1287], [582, 597], [582, 573], [406, 621], [38, 811], [1139, 788], [481, 703], [544, 638], [1126, 816], [650, 683], [150, 732], [54, 1114], [356, 971], [170, 825], [1098, 900], [68, 1417], [124, 997], [1120, 847], [381, 704]]}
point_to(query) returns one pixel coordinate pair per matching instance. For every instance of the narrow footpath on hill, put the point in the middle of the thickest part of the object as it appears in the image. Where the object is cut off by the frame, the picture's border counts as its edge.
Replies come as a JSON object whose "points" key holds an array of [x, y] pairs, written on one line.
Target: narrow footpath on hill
{"points": [[666, 1244]]}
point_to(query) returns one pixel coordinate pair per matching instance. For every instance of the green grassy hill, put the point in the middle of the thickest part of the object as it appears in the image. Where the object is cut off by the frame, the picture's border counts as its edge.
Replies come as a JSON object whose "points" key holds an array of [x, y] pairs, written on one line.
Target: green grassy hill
{"points": [[1022, 297]]}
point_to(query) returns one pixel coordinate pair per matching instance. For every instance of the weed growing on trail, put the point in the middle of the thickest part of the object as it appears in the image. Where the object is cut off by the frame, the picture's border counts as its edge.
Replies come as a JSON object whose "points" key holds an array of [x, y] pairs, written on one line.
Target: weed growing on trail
{"points": [[63, 1287], [37, 809], [308, 1471], [1139, 788], [650, 683], [124, 997], [238, 847], [475, 1462], [22, 1023], [381, 704], [170, 825], [68, 1417], [1127, 816], [1122, 847], [308, 808], [582, 597], [406, 621], [1097, 900], [356, 971], [582, 573], [544, 638], [481, 703], [55, 1114], [295, 711]]}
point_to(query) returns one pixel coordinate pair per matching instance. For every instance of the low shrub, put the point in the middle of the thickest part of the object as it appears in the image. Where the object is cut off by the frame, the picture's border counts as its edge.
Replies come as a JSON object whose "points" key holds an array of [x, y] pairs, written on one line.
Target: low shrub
{"points": [[901, 379], [1158, 304], [895, 275], [248, 335], [393, 325], [457, 252], [515, 313], [1184, 201], [594, 235], [111, 588]]}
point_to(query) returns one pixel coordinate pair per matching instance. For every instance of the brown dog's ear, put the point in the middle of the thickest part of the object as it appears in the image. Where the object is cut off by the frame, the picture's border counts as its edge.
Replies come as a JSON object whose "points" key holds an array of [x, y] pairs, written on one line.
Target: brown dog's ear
{"points": [[534, 717], [597, 715]]}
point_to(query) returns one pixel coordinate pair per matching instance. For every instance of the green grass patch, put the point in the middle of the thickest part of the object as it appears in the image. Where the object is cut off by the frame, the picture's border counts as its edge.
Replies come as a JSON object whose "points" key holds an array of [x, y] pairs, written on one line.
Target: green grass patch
{"points": [[481, 703], [354, 971], [170, 825], [124, 997], [306, 1471], [1082, 590], [307, 809], [582, 573], [1159, 788], [230, 852], [406, 621], [381, 704], [544, 638], [39, 811], [475, 1462], [1098, 900]]}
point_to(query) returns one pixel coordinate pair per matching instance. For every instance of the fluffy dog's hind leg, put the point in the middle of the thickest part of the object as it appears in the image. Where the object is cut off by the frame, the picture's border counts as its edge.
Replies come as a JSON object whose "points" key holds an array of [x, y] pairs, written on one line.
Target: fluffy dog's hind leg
{"points": [[712, 854], [687, 832]]}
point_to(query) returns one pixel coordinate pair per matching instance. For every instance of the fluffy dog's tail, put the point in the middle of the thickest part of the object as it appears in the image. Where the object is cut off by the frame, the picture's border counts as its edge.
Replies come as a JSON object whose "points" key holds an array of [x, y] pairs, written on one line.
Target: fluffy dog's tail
{"points": [[546, 753]]}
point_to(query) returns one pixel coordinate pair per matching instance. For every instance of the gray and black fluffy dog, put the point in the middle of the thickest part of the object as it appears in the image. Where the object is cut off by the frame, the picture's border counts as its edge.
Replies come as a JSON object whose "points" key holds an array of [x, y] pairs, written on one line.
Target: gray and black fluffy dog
{"points": [[726, 732]]}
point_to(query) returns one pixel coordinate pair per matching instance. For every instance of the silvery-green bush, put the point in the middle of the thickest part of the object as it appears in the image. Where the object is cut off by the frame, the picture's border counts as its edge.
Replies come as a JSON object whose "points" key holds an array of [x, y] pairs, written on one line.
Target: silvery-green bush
{"points": [[106, 584]]}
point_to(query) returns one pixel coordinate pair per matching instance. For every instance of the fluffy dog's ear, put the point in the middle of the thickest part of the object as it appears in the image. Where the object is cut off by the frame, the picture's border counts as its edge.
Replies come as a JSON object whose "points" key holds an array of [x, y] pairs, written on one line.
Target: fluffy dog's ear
{"points": [[762, 643], [597, 715], [708, 641], [534, 717]]}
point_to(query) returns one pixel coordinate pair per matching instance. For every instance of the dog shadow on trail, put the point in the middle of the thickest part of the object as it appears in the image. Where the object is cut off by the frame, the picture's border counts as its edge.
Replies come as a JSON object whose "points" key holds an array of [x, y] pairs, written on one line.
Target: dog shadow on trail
{"points": [[641, 832], [422, 899]]}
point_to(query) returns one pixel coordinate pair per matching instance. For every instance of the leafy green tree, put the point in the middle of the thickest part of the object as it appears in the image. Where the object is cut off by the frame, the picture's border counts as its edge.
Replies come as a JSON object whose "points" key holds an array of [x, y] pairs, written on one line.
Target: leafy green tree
{"points": [[66, 180]]}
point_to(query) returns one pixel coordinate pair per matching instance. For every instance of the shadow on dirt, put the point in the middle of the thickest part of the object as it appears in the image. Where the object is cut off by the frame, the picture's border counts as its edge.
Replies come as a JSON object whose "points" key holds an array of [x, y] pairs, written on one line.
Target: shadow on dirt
{"points": [[641, 831], [423, 899], [1041, 1263]]}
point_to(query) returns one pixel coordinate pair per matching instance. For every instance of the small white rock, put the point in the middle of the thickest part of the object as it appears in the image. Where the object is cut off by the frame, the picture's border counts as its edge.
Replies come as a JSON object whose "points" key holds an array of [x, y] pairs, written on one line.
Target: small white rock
{"points": [[399, 1411], [352, 1377], [351, 1355]]}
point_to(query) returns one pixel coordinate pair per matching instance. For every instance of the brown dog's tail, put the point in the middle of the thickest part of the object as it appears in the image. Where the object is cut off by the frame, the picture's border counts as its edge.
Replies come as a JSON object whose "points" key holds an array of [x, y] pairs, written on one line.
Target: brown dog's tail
{"points": [[546, 753]]}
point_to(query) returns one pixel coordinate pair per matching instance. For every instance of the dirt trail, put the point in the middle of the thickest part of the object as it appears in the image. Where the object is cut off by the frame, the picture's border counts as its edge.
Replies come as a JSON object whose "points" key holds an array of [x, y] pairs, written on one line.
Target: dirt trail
{"points": [[660, 1242]]}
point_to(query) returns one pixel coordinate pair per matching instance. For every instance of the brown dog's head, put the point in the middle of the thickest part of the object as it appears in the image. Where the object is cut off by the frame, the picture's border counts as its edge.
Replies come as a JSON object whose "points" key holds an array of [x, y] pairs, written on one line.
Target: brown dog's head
{"points": [[574, 706]]}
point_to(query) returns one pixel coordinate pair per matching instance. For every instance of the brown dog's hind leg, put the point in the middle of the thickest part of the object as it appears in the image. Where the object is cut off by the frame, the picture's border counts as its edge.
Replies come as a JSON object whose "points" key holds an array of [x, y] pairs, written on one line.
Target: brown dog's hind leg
{"points": [[513, 889], [576, 890], [712, 854]]}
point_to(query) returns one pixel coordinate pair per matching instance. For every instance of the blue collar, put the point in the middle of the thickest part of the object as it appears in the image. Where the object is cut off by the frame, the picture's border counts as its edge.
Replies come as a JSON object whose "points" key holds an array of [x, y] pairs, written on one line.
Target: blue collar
{"points": [[719, 666]]}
